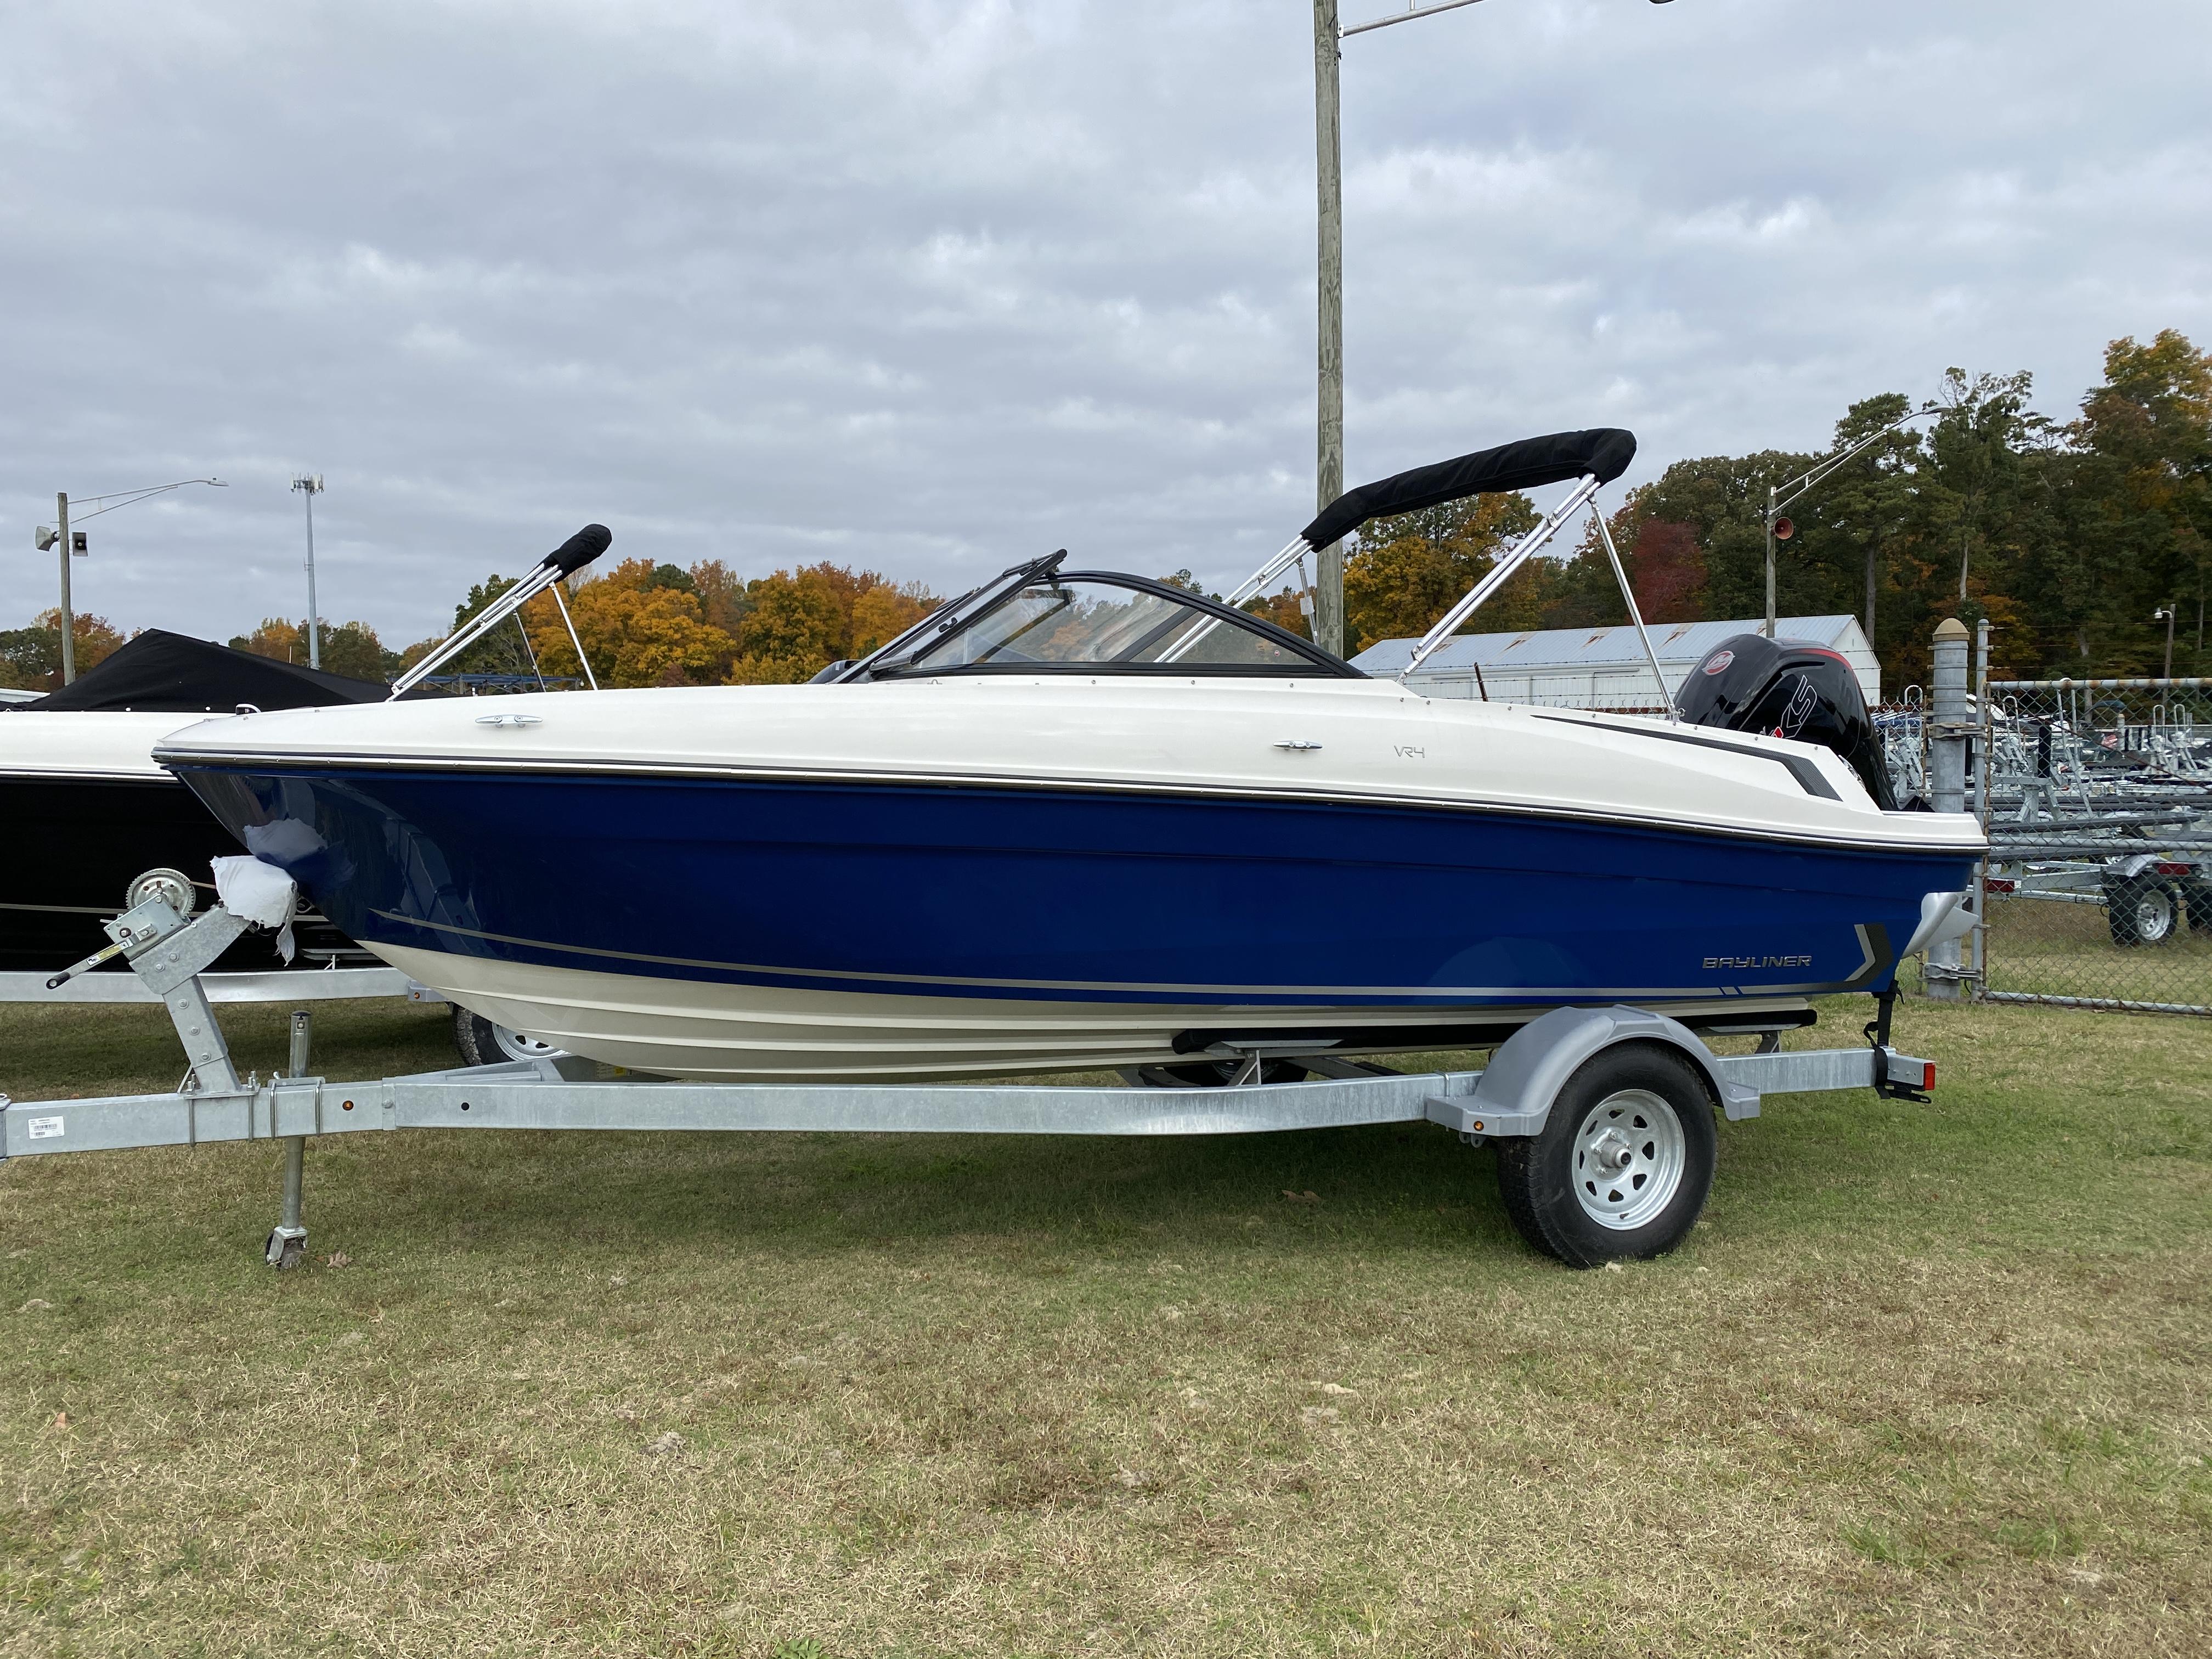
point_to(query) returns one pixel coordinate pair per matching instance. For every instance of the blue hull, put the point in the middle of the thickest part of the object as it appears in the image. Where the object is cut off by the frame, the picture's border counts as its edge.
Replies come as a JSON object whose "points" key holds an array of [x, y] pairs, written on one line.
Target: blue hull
{"points": [[1071, 896]]}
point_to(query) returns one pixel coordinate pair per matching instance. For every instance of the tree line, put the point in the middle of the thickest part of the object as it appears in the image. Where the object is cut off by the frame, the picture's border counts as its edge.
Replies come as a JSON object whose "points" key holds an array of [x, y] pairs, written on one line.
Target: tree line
{"points": [[641, 623], [2067, 536]]}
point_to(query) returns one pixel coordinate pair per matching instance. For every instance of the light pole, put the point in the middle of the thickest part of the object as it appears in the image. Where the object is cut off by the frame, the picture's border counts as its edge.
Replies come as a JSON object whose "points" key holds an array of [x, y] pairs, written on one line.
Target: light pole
{"points": [[2166, 611], [1329, 39], [73, 542], [312, 486], [1780, 496]]}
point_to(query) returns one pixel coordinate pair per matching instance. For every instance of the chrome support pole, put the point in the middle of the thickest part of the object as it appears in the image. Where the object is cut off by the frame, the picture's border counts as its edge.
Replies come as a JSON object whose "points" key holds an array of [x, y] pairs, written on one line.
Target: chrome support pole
{"points": [[1294, 554], [1636, 616], [1500, 574], [562, 604], [477, 626]]}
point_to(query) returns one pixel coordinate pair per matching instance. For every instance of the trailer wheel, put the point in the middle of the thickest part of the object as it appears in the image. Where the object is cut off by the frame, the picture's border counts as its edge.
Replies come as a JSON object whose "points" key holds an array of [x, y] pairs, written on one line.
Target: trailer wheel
{"points": [[483, 1043], [2142, 910], [1625, 1163], [2197, 899]]}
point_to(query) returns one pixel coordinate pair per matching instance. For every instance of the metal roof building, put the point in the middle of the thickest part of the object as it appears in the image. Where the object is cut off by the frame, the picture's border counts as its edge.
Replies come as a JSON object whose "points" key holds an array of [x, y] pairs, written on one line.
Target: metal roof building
{"points": [[1600, 667]]}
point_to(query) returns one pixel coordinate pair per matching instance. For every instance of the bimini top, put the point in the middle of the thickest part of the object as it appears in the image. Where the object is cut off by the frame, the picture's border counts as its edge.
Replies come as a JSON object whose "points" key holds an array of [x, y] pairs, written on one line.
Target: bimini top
{"points": [[1602, 452], [161, 673]]}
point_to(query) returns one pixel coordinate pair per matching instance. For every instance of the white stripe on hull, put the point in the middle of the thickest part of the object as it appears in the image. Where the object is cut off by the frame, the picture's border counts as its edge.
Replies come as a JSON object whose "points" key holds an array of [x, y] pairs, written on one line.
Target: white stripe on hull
{"points": [[720, 1032]]}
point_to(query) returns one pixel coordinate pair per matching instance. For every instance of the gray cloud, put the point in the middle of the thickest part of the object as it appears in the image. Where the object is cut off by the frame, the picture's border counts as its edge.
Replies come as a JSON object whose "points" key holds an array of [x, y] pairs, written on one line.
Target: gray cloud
{"points": [[931, 287]]}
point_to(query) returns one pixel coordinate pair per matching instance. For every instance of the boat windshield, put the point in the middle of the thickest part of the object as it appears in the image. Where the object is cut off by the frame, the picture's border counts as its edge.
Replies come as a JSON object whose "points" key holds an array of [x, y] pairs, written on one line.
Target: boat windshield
{"points": [[1078, 622]]}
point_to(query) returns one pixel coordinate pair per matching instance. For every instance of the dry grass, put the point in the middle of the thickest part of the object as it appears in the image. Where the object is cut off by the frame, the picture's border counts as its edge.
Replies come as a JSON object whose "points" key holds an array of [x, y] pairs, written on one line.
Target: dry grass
{"points": [[1926, 1381]]}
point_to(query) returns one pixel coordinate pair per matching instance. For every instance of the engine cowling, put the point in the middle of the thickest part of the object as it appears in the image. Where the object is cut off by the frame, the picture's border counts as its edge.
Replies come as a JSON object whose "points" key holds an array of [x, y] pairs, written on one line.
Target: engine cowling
{"points": [[1788, 688]]}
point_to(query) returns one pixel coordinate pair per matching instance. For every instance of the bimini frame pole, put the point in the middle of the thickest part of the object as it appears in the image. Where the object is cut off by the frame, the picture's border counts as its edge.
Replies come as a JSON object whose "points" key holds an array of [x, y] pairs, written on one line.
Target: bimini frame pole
{"points": [[1578, 498], [590, 678], [1296, 553], [1620, 575], [573, 555]]}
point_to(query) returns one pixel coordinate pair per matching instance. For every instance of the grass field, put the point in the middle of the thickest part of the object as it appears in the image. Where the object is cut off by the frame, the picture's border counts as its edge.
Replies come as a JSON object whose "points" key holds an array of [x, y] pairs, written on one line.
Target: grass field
{"points": [[2067, 951], [1927, 1380]]}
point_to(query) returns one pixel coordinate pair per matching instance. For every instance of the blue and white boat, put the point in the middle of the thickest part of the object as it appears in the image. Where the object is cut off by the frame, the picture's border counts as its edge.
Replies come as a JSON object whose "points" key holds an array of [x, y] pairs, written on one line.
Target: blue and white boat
{"points": [[1076, 820]]}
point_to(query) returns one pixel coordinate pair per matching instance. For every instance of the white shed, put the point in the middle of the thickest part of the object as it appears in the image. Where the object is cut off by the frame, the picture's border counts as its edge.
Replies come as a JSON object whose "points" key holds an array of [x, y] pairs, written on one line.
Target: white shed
{"points": [[1600, 667]]}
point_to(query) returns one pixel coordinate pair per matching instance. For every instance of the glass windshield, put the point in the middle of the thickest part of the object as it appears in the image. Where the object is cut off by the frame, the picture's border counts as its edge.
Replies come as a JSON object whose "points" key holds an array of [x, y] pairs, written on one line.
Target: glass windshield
{"points": [[1081, 622]]}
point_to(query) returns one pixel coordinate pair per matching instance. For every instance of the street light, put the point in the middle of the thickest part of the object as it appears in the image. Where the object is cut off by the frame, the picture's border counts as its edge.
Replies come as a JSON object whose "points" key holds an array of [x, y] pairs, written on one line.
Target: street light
{"points": [[1329, 39], [2166, 611], [1779, 529], [313, 486], [69, 544]]}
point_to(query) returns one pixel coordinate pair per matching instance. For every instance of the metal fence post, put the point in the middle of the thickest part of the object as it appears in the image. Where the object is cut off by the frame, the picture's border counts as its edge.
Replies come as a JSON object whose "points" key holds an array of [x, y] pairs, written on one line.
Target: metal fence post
{"points": [[1985, 760], [1949, 732]]}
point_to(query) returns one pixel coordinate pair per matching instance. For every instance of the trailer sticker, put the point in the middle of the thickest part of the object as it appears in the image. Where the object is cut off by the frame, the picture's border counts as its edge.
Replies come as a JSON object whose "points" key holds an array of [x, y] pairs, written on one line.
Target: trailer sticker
{"points": [[45, 1128]]}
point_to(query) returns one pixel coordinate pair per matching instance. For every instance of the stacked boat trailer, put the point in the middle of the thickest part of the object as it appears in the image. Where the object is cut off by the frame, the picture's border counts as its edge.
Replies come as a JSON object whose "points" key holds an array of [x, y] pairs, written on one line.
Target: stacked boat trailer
{"points": [[1602, 1116]]}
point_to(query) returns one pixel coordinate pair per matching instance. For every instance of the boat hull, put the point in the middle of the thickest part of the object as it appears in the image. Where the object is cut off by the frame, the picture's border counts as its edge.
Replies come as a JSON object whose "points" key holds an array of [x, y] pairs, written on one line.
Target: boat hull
{"points": [[750, 928]]}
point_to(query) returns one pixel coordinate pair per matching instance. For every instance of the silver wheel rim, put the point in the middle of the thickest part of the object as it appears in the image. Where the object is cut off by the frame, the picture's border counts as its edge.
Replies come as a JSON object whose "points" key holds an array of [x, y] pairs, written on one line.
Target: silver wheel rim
{"points": [[2154, 915], [515, 1046], [1629, 1153]]}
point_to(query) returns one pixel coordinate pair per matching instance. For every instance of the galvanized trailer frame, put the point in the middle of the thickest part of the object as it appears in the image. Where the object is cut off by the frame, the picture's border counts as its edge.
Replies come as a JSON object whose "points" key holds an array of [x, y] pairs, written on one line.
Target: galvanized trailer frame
{"points": [[1513, 1097], [273, 985]]}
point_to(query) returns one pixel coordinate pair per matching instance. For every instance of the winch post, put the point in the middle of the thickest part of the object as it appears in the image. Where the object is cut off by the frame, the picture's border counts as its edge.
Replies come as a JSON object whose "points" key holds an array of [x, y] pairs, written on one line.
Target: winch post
{"points": [[167, 951], [288, 1240]]}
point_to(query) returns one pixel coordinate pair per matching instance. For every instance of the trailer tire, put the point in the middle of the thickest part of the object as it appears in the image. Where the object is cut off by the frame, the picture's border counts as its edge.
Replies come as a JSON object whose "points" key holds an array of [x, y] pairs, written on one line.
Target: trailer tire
{"points": [[2143, 909], [2197, 899], [481, 1042], [1625, 1163]]}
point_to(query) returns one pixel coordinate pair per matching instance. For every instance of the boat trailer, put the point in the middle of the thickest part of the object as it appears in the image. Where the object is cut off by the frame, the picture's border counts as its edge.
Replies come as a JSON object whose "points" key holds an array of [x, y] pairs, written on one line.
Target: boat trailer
{"points": [[1602, 1116]]}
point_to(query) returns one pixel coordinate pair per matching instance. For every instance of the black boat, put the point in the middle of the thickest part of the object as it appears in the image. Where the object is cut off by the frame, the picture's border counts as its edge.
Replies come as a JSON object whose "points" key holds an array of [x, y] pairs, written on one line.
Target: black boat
{"points": [[85, 811]]}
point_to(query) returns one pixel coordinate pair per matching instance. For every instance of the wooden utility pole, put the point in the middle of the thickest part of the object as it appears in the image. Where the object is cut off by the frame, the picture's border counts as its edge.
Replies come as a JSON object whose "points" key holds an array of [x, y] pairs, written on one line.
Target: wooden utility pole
{"points": [[69, 622], [1328, 594]]}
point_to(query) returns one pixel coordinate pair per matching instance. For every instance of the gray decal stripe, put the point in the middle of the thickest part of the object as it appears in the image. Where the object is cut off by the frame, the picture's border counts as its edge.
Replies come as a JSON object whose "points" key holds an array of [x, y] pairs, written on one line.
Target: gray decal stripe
{"points": [[1808, 775], [1580, 994]]}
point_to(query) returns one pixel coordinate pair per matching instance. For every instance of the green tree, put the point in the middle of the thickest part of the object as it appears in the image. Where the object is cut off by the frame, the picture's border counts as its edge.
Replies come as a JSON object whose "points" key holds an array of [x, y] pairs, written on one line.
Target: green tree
{"points": [[2141, 507]]}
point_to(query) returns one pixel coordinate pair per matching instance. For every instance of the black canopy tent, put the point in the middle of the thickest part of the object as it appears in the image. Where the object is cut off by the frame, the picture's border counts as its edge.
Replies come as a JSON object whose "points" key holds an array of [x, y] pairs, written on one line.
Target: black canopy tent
{"points": [[161, 673]]}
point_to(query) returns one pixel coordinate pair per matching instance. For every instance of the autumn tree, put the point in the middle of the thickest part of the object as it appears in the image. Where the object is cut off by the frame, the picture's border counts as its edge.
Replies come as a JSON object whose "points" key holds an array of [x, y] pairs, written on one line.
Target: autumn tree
{"points": [[348, 649], [800, 622], [641, 623], [31, 658]]}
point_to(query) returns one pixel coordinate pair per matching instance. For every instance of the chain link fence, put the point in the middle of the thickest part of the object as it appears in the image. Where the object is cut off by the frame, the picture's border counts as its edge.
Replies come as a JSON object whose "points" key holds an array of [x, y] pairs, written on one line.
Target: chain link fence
{"points": [[2098, 799]]}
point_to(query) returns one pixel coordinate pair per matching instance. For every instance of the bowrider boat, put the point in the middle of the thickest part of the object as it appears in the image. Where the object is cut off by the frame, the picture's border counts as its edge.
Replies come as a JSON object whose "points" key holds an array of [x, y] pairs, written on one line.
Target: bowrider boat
{"points": [[1081, 819]]}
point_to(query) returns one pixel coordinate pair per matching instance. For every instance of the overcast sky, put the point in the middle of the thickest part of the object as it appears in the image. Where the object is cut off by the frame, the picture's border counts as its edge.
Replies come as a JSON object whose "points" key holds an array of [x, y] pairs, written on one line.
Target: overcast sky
{"points": [[929, 288]]}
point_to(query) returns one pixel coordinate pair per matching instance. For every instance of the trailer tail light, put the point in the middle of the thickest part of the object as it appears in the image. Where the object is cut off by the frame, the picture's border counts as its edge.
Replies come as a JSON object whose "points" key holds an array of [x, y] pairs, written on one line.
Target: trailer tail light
{"points": [[1906, 1072], [2000, 885], [2168, 867]]}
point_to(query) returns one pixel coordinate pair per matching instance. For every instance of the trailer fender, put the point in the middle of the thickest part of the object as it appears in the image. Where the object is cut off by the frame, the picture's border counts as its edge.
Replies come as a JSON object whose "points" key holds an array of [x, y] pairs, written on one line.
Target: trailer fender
{"points": [[1524, 1077]]}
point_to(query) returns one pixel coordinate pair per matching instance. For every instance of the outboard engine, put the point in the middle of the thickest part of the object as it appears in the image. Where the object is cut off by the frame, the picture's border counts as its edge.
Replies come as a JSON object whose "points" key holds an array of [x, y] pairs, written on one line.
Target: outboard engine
{"points": [[1788, 688]]}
